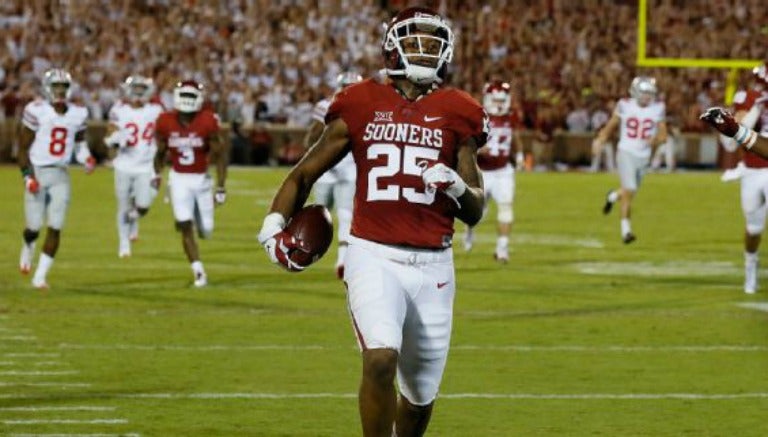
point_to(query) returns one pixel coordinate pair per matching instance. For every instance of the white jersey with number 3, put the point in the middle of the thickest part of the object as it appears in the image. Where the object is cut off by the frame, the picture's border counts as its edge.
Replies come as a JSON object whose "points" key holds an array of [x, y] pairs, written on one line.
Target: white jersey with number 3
{"points": [[138, 129], [54, 133], [639, 125]]}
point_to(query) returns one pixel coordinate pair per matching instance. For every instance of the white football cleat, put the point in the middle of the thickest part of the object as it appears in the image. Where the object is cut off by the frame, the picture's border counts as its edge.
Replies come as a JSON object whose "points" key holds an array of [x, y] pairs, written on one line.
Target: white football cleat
{"points": [[750, 278], [39, 283], [125, 249], [25, 259], [201, 280], [468, 240], [501, 256]]}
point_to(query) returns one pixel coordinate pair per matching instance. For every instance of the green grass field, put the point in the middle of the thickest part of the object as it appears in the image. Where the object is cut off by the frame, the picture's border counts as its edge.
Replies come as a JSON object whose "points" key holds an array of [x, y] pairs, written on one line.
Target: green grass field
{"points": [[578, 335]]}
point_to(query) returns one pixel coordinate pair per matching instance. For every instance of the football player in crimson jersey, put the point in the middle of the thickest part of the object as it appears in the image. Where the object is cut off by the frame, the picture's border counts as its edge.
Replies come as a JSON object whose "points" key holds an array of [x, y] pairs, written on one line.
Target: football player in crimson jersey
{"points": [[54, 129], [750, 111], [414, 144], [494, 159], [642, 127], [337, 185], [190, 134], [131, 132]]}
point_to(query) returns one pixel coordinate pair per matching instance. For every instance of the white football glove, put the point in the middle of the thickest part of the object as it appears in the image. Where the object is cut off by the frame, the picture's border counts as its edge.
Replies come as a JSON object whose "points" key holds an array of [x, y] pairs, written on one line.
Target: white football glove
{"points": [[443, 178], [519, 160], [220, 196], [115, 139], [277, 243]]}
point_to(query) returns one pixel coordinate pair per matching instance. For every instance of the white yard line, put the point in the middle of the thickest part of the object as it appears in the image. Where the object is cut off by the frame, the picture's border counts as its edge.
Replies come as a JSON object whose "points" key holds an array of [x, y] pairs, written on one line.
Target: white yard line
{"points": [[76, 408], [471, 347], [45, 384], [18, 338], [760, 306], [38, 373], [77, 435], [31, 355], [64, 422]]}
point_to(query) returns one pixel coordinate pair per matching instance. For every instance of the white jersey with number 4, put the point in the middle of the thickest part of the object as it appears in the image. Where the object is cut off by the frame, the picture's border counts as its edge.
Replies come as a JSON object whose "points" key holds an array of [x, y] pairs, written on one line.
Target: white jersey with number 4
{"points": [[54, 133], [138, 130], [639, 125]]}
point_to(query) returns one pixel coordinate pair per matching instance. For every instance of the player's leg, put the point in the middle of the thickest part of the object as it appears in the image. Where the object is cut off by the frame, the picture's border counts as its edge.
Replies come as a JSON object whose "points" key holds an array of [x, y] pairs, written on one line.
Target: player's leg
{"points": [[34, 211], [377, 306], [143, 194], [630, 175], [182, 190], [344, 194], [426, 340], [123, 194], [504, 197], [58, 204], [753, 206]]}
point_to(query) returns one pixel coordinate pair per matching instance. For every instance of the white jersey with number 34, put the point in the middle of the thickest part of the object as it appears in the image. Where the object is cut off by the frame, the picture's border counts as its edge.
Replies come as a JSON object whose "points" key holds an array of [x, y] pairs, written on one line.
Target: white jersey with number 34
{"points": [[138, 130], [54, 133], [639, 125]]}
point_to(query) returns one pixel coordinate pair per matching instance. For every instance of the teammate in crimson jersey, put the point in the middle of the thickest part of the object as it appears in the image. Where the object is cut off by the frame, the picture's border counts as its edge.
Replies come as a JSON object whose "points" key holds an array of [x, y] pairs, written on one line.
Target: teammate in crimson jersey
{"points": [[495, 162], [414, 144], [54, 130], [190, 135], [131, 132], [642, 125]]}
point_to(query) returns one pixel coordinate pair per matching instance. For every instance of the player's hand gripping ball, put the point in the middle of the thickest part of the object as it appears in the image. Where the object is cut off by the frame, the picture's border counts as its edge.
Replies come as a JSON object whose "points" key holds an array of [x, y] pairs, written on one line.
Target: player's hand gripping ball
{"points": [[313, 228]]}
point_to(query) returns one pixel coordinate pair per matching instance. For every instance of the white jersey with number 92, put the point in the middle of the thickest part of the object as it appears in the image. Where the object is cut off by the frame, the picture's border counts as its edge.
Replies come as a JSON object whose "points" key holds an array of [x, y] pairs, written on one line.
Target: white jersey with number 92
{"points": [[638, 125], [54, 133]]}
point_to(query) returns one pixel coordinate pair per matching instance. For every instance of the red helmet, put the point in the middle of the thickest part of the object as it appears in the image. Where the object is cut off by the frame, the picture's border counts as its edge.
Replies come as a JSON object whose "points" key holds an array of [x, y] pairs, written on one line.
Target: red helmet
{"points": [[497, 98], [188, 96], [418, 44], [761, 73]]}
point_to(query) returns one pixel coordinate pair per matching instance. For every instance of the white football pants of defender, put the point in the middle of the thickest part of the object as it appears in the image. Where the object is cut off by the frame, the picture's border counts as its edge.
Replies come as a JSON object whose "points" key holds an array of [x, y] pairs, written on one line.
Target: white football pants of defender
{"points": [[192, 199], [754, 192], [53, 196], [136, 186], [499, 186], [402, 299], [631, 169]]}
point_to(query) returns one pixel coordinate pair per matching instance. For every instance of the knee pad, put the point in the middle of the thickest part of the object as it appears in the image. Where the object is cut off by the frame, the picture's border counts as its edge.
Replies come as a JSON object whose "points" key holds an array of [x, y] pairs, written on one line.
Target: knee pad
{"points": [[505, 214], [755, 228]]}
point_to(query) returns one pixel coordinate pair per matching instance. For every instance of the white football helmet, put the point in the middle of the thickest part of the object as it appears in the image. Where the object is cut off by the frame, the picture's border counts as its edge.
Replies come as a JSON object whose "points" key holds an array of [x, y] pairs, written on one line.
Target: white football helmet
{"points": [[761, 74], [347, 78], [188, 96], [643, 89], [418, 44], [57, 85], [497, 98], [138, 88]]}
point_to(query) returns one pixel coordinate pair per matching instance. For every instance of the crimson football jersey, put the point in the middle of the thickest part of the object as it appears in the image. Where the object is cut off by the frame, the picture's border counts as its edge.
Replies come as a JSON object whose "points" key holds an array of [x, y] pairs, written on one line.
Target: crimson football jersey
{"points": [[392, 140], [744, 101], [497, 150], [188, 144]]}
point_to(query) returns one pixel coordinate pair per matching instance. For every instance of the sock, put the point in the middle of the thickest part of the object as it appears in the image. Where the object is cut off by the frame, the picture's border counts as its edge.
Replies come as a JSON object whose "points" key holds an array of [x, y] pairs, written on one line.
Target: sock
{"points": [[502, 243], [197, 267], [750, 258], [613, 196], [626, 228], [342, 252], [43, 265]]}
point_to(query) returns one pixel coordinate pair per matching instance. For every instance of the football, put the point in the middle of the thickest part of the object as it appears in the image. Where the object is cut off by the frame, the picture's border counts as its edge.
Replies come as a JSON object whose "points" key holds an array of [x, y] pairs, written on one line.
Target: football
{"points": [[313, 226]]}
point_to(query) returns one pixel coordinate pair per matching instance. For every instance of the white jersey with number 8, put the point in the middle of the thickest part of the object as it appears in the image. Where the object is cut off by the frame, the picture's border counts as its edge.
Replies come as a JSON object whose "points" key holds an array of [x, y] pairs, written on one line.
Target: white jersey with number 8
{"points": [[54, 132], [138, 129], [638, 125]]}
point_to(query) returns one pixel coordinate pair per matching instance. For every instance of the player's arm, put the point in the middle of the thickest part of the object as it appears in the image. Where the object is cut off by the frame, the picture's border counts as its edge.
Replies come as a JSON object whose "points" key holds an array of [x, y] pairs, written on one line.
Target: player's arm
{"points": [[517, 149], [294, 191], [605, 133], [83, 152], [726, 124], [313, 133], [472, 199], [219, 155], [662, 133], [26, 137]]}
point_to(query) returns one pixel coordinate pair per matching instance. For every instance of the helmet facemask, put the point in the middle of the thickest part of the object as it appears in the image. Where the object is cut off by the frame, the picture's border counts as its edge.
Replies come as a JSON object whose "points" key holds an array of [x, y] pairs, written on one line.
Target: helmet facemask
{"points": [[188, 97], [422, 47], [57, 86], [643, 89], [138, 89]]}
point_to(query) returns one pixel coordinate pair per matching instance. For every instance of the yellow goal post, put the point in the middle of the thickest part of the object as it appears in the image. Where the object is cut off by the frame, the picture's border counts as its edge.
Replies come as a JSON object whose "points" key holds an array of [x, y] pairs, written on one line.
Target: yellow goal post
{"points": [[734, 65]]}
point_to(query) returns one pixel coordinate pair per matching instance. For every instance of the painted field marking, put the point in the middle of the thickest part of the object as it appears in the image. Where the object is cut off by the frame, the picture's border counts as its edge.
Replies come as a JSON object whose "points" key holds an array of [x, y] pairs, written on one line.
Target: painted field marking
{"points": [[65, 422], [38, 373], [18, 338], [760, 306], [656, 269], [510, 348], [45, 384], [77, 435], [44, 408], [31, 355]]}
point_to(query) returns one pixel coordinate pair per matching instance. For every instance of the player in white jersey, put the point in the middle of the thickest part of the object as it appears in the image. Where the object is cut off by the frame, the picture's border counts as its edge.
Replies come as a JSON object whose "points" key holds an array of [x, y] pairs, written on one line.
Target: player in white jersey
{"points": [[642, 127], [53, 130], [495, 161], [336, 187], [131, 132]]}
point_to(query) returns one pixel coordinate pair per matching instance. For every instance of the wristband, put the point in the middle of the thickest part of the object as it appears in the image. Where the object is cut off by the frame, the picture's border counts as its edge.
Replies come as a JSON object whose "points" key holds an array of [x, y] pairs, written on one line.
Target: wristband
{"points": [[26, 171], [745, 137]]}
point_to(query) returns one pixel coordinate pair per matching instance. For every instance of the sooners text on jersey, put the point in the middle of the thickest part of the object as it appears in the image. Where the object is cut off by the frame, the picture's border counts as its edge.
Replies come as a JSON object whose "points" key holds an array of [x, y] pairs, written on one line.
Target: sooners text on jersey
{"points": [[639, 125], [54, 133], [392, 140], [496, 153], [744, 101], [138, 126], [188, 144]]}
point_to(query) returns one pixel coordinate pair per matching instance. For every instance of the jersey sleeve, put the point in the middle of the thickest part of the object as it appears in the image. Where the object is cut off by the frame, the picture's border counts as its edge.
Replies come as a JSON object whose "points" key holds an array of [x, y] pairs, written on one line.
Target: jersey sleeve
{"points": [[161, 127], [744, 100], [472, 121], [213, 124], [83, 116], [338, 106], [319, 111], [30, 118], [114, 114]]}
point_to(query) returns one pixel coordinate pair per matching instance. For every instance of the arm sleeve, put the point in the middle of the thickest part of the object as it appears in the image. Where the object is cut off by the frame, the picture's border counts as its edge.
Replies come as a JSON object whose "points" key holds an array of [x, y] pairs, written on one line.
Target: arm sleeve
{"points": [[29, 118]]}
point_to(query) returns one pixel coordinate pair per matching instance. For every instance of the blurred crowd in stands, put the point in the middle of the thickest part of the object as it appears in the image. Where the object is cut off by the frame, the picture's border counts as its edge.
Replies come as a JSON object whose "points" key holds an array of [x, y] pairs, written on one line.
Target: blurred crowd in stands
{"points": [[271, 60]]}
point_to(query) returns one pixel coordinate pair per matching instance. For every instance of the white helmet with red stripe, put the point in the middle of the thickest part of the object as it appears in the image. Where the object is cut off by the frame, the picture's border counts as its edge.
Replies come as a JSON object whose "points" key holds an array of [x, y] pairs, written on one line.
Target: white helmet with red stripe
{"points": [[643, 89], [188, 96], [138, 88], [57, 85], [761, 74], [497, 98]]}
